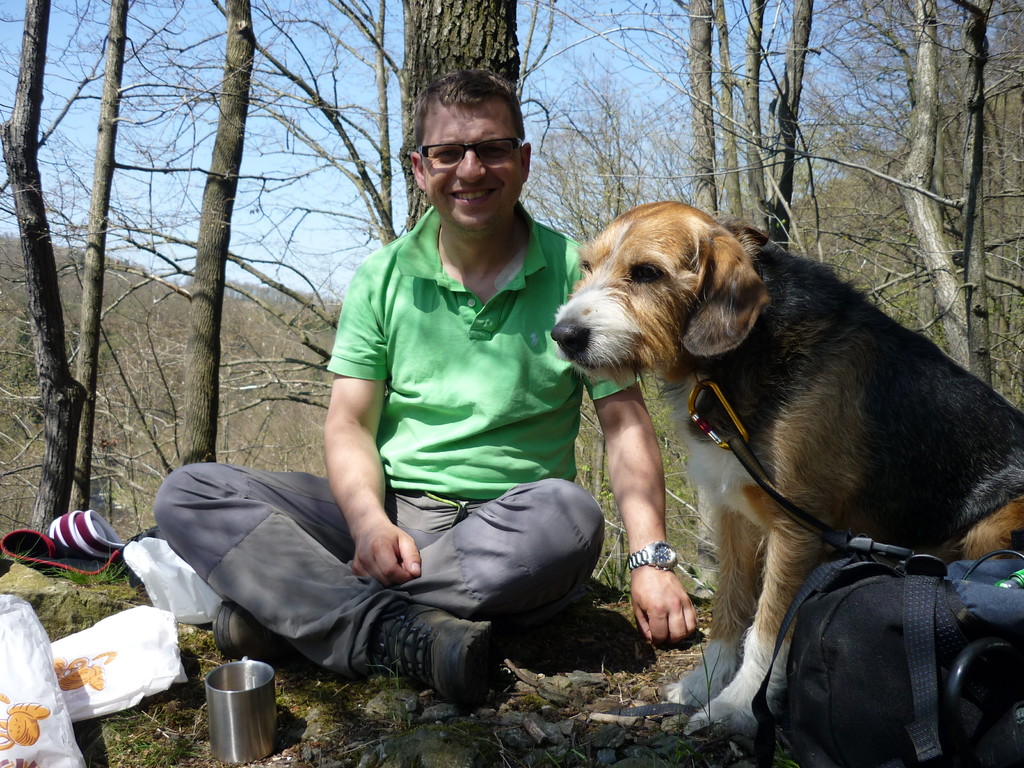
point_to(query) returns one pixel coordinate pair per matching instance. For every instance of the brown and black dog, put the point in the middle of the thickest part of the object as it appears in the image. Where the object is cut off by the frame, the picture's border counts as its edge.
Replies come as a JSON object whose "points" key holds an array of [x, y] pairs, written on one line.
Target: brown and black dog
{"points": [[861, 422]]}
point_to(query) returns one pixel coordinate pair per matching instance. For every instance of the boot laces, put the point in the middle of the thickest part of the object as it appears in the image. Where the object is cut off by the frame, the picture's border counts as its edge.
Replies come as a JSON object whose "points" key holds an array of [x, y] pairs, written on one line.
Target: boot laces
{"points": [[405, 644]]}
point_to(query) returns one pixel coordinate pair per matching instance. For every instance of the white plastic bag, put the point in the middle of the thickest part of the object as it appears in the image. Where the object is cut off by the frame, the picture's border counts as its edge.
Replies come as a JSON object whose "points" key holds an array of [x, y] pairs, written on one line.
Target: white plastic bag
{"points": [[171, 583], [35, 727], [117, 661]]}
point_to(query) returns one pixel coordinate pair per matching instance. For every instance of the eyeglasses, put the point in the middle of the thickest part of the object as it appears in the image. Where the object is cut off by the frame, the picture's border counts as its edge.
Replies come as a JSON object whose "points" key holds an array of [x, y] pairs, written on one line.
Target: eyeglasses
{"points": [[487, 152]]}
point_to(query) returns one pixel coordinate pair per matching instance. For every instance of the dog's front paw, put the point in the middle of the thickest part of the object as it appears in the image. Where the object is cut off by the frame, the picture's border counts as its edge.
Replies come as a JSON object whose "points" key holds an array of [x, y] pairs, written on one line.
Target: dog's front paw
{"points": [[708, 680], [693, 688], [732, 718]]}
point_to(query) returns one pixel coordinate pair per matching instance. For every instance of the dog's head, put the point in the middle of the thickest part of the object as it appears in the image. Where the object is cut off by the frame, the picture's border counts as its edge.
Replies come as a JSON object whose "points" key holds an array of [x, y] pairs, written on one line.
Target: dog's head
{"points": [[662, 285]]}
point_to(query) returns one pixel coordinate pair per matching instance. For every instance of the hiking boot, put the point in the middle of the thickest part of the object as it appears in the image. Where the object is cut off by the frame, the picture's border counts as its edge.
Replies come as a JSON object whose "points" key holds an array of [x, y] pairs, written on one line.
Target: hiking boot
{"points": [[435, 648], [237, 633]]}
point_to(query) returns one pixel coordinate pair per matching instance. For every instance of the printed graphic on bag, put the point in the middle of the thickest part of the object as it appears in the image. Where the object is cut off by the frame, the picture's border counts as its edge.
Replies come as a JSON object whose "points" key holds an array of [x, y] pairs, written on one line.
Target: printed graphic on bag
{"points": [[22, 724], [83, 671], [21, 762]]}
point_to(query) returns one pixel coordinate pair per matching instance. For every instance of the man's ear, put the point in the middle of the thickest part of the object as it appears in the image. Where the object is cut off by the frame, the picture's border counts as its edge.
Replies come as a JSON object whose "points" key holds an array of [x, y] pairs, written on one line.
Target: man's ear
{"points": [[418, 170], [731, 298]]}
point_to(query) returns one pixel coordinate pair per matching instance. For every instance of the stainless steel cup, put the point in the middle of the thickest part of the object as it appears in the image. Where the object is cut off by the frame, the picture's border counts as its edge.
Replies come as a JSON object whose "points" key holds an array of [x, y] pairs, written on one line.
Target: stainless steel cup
{"points": [[241, 700]]}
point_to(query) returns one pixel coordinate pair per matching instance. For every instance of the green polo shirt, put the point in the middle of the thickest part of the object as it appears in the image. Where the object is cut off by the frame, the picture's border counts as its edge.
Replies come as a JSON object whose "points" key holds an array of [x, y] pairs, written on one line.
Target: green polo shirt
{"points": [[477, 400]]}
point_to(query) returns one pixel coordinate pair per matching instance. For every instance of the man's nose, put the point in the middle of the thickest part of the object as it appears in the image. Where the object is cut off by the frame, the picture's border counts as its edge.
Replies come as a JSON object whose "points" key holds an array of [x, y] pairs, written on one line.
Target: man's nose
{"points": [[470, 165]]}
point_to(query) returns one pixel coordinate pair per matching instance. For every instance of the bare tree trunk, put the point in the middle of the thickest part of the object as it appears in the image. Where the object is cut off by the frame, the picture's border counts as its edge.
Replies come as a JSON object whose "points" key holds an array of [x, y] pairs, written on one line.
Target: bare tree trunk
{"points": [[381, 65], [444, 36], [705, 195], [924, 212], [752, 113], [788, 111], [203, 381], [96, 246], [973, 222], [61, 395], [730, 151]]}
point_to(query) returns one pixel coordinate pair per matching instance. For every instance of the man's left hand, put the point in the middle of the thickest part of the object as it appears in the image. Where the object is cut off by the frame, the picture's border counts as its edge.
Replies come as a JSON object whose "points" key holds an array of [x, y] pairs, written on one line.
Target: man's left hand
{"points": [[663, 610]]}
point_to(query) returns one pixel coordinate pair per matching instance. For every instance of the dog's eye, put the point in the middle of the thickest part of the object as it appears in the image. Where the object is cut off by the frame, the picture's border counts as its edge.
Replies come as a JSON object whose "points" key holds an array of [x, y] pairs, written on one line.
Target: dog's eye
{"points": [[645, 273]]}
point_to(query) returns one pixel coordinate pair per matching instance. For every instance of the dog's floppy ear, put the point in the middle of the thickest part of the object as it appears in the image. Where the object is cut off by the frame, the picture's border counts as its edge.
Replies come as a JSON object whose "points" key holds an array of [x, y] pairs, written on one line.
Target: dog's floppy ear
{"points": [[732, 296]]}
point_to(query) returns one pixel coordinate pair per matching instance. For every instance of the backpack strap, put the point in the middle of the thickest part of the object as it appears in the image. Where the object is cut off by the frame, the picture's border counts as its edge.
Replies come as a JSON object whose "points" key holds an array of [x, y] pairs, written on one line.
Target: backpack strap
{"points": [[919, 637]]}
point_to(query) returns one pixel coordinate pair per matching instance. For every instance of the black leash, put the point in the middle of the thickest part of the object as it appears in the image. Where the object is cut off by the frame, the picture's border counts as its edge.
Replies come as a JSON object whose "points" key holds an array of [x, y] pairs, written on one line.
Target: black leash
{"points": [[738, 444]]}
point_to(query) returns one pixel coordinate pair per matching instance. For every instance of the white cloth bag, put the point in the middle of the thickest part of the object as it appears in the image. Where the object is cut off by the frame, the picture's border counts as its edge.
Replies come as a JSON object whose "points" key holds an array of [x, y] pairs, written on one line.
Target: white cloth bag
{"points": [[170, 582], [35, 726], [111, 665]]}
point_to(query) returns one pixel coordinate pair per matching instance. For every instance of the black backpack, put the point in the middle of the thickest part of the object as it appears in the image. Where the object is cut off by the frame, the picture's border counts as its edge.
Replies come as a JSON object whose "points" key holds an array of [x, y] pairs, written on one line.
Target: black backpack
{"points": [[903, 665]]}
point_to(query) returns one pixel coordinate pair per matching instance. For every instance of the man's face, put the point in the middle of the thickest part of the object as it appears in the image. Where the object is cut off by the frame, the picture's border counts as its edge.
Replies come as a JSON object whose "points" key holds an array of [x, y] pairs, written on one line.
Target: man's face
{"points": [[472, 197]]}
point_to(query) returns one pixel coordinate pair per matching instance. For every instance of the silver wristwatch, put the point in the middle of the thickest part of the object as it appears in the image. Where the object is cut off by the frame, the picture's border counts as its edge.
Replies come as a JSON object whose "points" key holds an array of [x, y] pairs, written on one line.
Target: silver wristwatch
{"points": [[659, 554]]}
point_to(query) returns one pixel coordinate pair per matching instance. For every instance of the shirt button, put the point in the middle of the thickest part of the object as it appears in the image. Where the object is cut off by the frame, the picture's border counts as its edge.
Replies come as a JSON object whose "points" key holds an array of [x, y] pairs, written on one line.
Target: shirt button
{"points": [[471, 302]]}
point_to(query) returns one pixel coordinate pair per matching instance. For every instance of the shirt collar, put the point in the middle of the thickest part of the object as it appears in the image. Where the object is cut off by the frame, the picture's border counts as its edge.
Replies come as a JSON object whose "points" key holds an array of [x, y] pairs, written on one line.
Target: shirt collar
{"points": [[418, 255]]}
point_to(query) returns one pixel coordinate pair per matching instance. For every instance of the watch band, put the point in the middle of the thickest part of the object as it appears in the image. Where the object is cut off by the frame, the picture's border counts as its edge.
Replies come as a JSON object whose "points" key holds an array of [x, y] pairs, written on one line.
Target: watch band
{"points": [[638, 558], [657, 554]]}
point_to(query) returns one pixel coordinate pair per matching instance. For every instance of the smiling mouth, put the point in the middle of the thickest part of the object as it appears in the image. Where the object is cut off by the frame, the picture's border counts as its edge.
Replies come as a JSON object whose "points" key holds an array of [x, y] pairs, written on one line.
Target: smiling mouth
{"points": [[473, 195]]}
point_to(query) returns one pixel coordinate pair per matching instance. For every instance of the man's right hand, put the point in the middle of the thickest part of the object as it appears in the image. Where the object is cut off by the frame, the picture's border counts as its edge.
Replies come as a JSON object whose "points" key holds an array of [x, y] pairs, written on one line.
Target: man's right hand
{"points": [[383, 550], [386, 553]]}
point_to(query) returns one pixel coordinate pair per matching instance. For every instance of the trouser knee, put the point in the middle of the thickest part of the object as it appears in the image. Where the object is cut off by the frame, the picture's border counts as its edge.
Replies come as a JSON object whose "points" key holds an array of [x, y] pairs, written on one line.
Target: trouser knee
{"points": [[530, 548], [168, 500], [563, 507], [198, 512]]}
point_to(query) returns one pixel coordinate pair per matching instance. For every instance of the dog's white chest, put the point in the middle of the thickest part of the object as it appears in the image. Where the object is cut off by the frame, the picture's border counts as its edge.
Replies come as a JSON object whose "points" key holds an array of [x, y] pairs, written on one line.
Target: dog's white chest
{"points": [[718, 473]]}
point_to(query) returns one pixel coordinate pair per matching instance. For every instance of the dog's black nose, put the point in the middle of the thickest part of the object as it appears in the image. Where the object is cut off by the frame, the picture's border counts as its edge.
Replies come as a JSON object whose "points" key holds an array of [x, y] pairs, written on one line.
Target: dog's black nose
{"points": [[572, 338]]}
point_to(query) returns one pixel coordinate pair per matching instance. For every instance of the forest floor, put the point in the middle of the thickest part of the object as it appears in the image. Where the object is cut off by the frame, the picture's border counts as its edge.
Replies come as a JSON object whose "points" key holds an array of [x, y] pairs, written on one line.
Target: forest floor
{"points": [[556, 695]]}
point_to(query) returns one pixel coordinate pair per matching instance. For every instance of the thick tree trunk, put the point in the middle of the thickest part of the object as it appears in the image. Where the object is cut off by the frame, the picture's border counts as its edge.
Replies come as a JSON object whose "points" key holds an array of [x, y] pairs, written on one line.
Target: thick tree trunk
{"points": [[203, 380], [705, 194], [446, 35], [924, 212], [61, 395], [979, 349], [96, 246], [788, 111]]}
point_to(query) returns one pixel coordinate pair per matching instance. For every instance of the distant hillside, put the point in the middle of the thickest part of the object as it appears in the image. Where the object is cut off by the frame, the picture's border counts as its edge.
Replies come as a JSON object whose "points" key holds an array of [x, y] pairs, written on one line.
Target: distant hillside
{"points": [[274, 388]]}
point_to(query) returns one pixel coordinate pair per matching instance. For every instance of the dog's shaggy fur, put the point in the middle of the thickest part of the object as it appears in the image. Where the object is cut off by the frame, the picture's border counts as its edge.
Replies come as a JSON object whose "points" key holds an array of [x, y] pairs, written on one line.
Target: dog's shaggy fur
{"points": [[858, 420]]}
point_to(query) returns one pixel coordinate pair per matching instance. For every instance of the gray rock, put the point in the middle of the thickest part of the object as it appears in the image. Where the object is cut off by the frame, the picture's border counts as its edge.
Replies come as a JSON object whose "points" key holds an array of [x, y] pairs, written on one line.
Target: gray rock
{"points": [[611, 736], [441, 712], [430, 747], [516, 738], [398, 704], [63, 607]]}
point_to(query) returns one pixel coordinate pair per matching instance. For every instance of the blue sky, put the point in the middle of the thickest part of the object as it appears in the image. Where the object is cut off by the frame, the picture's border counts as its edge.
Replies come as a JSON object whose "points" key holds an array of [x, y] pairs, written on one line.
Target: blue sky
{"points": [[308, 214]]}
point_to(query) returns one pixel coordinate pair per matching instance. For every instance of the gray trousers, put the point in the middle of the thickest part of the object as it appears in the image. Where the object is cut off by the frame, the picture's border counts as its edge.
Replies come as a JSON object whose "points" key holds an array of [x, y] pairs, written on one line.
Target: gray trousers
{"points": [[277, 544]]}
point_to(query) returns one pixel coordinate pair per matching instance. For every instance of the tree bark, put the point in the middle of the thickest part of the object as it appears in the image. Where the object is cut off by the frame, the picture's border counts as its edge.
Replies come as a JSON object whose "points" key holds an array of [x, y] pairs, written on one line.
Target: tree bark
{"points": [[752, 114], [924, 212], [788, 111], [705, 194], [446, 35], [96, 246], [61, 395], [203, 381], [730, 151], [975, 39]]}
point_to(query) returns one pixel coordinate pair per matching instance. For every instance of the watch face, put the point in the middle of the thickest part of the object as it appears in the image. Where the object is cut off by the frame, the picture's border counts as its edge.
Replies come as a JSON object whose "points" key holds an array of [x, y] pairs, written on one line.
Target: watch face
{"points": [[663, 556]]}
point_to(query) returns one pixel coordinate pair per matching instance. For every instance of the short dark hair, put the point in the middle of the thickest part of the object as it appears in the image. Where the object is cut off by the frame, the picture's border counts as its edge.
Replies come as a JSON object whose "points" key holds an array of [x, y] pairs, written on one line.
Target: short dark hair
{"points": [[467, 88]]}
